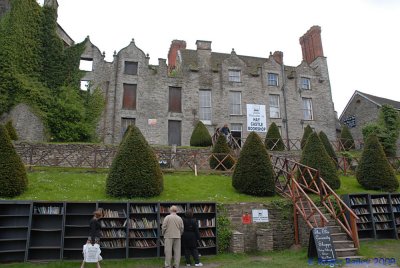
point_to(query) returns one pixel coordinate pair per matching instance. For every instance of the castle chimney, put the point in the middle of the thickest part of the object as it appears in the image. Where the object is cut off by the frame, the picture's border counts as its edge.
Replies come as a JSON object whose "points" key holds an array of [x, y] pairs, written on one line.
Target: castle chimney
{"points": [[173, 50], [278, 57], [53, 4], [203, 45], [311, 44]]}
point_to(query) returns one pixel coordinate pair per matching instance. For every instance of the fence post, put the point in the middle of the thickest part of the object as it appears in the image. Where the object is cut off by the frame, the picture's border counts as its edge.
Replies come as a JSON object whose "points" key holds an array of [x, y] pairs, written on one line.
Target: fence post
{"points": [[95, 159]]}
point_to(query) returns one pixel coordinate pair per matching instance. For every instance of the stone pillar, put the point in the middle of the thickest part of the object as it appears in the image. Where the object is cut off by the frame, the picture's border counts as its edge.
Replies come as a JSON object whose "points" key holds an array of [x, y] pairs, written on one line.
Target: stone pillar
{"points": [[237, 242]]}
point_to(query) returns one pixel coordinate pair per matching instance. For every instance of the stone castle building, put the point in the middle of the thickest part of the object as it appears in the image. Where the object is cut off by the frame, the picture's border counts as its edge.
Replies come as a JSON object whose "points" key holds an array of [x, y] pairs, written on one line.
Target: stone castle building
{"points": [[165, 102]]}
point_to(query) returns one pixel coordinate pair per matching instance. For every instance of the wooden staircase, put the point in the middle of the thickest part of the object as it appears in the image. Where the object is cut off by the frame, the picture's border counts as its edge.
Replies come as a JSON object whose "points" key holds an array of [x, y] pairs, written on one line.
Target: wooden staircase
{"points": [[293, 181]]}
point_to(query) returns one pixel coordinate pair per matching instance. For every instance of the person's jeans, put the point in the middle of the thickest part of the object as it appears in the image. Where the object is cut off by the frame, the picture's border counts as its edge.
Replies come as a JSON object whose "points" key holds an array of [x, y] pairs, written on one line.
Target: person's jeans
{"points": [[194, 252]]}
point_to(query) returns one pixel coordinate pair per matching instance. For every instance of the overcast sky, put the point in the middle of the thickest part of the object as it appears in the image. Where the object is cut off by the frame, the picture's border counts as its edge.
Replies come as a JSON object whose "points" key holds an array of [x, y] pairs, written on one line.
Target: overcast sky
{"points": [[360, 38]]}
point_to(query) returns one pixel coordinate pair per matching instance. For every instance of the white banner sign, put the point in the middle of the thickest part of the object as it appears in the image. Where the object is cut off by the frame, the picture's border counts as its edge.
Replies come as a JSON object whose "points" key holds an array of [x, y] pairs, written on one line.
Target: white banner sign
{"points": [[256, 119], [260, 215]]}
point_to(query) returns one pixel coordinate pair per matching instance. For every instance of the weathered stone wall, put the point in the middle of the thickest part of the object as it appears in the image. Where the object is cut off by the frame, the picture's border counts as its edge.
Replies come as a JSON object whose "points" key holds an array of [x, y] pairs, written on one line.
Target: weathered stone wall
{"points": [[278, 233], [4, 7], [28, 125]]}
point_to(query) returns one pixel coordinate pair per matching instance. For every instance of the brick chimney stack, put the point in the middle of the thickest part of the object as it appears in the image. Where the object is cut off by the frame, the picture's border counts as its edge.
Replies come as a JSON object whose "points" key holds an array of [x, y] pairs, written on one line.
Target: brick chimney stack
{"points": [[173, 49], [278, 57], [311, 44]]}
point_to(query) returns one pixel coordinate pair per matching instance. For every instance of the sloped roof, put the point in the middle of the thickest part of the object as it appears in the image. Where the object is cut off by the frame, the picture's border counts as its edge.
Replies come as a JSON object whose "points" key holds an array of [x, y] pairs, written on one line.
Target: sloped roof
{"points": [[381, 101]]}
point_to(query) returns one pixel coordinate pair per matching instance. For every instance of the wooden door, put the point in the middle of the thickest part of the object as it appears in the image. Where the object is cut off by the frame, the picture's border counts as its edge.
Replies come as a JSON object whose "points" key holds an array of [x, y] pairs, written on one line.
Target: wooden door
{"points": [[174, 132]]}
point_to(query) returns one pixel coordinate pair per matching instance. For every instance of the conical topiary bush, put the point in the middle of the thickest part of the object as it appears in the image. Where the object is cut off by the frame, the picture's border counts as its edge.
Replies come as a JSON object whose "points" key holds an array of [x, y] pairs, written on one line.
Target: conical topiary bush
{"points": [[328, 146], [346, 139], [13, 178], [253, 173], [200, 136], [314, 155], [374, 172], [307, 131], [12, 133], [135, 171], [273, 139], [221, 151]]}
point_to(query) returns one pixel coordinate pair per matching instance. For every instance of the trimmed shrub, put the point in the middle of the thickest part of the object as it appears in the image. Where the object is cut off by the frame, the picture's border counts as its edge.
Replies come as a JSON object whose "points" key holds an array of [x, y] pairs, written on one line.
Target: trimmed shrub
{"points": [[221, 151], [253, 173], [135, 171], [307, 131], [200, 136], [374, 171], [13, 178], [12, 133], [346, 139], [314, 155], [328, 146], [273, 139]]}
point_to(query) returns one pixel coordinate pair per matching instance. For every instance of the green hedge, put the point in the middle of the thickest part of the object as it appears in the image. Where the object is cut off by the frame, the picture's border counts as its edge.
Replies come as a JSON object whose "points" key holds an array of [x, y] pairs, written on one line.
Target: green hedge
{"points": [[273, 139], [200, 136], [307, 131], [254, 174], [12, 133], [135, 171], [346, 139], [221, 151], [328, 146]]}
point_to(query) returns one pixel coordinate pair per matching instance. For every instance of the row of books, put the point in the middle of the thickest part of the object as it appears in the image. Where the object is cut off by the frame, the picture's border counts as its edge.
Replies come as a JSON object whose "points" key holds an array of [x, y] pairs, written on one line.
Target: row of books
{"points": [[180, 209], [360, 211], [381, 217], [364, 226], [116, 243], [398, 220], [108, 213], [206, 243], [379, 201], [396, 208], [206, 222], [380, 210], [48, 210], [143, 209], [143, 223], [112, 223], [120, 233], [203, 209], [382, 226], [206, 233], [363, 219], [358, 200], [396, 200], [143, 234], [143, 243]]}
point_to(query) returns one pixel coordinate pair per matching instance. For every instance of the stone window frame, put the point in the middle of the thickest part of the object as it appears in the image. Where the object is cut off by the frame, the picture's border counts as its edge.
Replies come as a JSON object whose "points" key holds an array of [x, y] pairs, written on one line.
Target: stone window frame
{"points": [[234, 75], [131, 64], [233, 105], [305, 83], [276, 107], [307, 108], [273, 79], [205, 106]]}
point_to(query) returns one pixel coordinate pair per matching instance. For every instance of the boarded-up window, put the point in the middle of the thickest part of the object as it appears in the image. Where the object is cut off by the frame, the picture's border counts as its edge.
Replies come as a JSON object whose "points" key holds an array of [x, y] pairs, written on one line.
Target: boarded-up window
{"points": [[175, 99], [131, 67], [129, 101]]}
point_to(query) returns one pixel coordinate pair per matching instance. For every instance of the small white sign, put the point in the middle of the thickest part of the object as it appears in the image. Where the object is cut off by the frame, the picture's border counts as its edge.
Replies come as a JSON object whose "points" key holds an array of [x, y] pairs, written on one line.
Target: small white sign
{"points": [[256, 119], [152, 122], [260, 215]]}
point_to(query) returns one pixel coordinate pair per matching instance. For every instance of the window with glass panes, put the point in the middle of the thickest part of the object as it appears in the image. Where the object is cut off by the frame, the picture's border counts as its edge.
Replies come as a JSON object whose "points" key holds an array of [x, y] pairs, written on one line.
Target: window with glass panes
{"points": [[234, 75], [236, 100], [272, 79], [305, 83], [205, 106], [274, 107], [307, 109]]}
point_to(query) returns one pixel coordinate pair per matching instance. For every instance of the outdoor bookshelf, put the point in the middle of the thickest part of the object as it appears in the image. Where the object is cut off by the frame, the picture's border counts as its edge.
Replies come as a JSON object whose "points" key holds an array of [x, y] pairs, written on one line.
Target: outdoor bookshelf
{"points": [[46, 231], [377, 214], [15, 218]]}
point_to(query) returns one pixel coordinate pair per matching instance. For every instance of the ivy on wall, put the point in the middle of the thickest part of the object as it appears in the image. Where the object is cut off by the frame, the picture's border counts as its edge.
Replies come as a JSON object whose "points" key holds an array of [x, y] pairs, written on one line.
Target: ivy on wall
{"points": [[36, 68]]}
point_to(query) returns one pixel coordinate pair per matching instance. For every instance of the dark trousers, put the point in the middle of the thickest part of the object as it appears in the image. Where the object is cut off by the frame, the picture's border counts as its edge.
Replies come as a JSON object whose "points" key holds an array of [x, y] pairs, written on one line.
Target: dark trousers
{"points": [[194, 252]]}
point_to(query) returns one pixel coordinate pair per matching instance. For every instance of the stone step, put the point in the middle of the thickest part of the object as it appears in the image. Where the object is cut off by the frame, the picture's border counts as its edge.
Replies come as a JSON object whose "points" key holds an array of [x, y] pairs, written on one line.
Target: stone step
{"points": [[340, 244], [335, 229], [346, 252], [339, 236]]}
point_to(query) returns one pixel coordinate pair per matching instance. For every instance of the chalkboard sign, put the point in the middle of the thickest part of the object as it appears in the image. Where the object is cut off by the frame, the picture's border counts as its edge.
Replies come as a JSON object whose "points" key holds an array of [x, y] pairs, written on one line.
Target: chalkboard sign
{"points": [[321, 244]]}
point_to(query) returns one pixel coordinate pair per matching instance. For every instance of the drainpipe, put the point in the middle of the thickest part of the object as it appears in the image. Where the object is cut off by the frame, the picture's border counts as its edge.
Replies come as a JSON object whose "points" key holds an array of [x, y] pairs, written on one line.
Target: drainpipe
{"points": [[116, 60], [285, 105]]}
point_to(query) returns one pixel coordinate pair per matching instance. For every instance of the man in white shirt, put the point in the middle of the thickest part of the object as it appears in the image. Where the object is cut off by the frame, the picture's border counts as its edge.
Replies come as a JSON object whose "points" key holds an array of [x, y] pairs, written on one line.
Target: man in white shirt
{"points": [[91, 253]]}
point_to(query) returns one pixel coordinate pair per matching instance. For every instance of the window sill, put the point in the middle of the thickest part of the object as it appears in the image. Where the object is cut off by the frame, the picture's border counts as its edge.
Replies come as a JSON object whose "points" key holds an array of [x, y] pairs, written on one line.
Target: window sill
{"points": [[275, 118], [206, 122], [236, 114]]}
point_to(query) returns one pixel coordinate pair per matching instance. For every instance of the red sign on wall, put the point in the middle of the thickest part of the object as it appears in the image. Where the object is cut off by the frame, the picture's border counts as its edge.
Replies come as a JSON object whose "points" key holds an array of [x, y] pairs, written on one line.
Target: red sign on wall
{"points": [[246, 218]]}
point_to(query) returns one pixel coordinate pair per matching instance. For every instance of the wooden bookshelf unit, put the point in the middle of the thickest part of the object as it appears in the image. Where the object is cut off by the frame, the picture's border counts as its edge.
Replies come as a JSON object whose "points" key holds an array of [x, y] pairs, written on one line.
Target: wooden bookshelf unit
{"points": [[47, 231]]}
